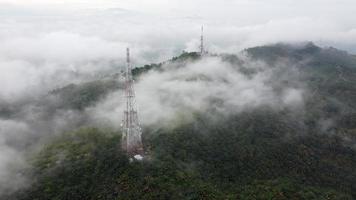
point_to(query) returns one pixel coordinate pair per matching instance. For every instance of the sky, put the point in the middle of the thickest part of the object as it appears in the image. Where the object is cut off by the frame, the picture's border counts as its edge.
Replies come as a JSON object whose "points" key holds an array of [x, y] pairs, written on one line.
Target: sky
{"points": [[171, 26], [39, 39]]}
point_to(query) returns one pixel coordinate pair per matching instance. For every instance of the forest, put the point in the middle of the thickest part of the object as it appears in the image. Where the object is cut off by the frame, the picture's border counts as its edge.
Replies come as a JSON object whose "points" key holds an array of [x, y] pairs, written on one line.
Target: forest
{"points": [[263, 152]]}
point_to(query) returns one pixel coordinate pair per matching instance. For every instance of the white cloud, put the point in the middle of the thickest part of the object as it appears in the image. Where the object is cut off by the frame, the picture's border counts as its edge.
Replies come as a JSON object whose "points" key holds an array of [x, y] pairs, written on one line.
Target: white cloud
{"points": [[165, 26], [164, 97], [49, 43]]}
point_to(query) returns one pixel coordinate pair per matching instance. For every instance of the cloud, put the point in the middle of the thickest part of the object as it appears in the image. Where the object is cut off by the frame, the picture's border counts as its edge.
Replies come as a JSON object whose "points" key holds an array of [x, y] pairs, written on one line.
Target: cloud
{"points": [[208, 84], [49, 44], [11, 158], [31, 65], [60, 47]]}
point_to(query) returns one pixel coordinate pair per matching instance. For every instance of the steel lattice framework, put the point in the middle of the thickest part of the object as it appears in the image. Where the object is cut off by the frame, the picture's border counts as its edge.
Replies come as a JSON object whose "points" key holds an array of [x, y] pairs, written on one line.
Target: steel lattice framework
{"points": [[202, 51], [131, 137]]}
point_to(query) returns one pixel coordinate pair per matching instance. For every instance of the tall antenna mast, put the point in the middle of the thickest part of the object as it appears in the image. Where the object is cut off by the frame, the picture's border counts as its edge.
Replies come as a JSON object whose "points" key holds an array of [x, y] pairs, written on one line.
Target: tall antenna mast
{"points": [[131, 136], [202, 51]]}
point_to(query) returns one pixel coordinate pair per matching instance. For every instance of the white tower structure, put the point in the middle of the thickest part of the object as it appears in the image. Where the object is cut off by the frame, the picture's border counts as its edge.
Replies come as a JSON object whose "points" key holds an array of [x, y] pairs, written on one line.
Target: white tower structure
{"points": [[202, 51], [131, 137]]}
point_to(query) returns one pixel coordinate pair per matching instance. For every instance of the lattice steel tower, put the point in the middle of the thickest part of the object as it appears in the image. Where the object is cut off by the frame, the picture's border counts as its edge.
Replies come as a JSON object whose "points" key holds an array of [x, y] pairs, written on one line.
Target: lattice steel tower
{"points": [[131, 137], [202, 51]]}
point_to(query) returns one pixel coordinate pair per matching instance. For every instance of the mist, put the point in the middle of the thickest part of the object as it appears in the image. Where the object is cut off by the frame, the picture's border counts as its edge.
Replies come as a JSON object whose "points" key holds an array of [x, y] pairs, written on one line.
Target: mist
{"points": [[164, 98], [44, 46], [210, 84]]}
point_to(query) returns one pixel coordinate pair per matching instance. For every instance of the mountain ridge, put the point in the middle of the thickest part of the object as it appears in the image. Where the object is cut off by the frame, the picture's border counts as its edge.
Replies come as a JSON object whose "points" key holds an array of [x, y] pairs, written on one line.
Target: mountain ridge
{"points": [[277, 151]]}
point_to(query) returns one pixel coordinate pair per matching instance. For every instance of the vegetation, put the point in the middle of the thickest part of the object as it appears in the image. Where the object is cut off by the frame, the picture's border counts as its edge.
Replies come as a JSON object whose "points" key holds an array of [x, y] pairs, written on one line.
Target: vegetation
{"points": [[141, 70], [201, 160], [178, 61], [186, 56], [80, 96], [262, 153]]}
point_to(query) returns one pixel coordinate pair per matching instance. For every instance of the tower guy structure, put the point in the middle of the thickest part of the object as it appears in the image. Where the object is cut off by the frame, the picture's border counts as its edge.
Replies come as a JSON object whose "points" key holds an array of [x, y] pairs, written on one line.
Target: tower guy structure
{"points": [[131, 137]]}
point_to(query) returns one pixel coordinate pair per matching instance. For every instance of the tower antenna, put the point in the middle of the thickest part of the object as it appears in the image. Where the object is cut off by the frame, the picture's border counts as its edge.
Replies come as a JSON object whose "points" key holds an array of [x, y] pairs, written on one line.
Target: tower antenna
{"points": [[131, 137]]}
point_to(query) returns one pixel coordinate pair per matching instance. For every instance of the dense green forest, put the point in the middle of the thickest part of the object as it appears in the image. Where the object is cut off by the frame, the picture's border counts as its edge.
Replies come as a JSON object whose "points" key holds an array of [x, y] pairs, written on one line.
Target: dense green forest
{"points": [[261, 153]]}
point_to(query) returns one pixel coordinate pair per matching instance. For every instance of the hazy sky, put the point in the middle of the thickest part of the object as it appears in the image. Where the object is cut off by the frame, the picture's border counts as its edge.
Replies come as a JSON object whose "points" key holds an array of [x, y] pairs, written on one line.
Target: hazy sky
{"points": [[240, 10], [173, 25], [38, 38]]}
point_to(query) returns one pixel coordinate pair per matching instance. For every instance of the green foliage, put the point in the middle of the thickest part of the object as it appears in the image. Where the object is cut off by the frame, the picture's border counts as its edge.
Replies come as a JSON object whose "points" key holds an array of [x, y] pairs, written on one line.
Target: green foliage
{"points": [[186, 56], [5, 112], [274, 53], [201, 160], [284, 189], [181, 59], [141, 70], [88, 164], [80, 96], [258, 146], [78, 165], [262, 153]]}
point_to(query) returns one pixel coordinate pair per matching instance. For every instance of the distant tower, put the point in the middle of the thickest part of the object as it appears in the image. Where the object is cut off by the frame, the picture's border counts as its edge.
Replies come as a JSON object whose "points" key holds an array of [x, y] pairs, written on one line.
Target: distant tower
{"points": [[202, 51], [131, 137]]}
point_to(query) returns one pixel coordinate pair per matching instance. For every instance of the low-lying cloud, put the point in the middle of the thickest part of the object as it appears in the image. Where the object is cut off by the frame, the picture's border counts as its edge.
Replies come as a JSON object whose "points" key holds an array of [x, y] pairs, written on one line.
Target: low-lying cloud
{"points": [[44, 48], [207, 84]]}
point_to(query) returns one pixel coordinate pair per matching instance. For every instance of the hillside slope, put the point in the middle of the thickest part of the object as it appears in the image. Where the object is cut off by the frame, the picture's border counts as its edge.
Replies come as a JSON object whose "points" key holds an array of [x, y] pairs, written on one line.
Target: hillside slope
{"points": [[268, 151]]}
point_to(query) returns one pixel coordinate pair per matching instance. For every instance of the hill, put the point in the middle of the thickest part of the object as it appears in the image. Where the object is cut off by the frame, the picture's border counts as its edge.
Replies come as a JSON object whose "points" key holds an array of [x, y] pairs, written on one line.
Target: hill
{"points": [[269, 151]]}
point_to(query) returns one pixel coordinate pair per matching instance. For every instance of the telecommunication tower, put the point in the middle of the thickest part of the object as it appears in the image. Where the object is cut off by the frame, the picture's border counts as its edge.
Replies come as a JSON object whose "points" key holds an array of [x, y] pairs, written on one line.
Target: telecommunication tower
{"points": [[202, 51], [131, 137]]}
